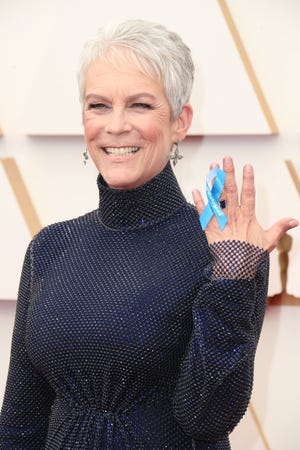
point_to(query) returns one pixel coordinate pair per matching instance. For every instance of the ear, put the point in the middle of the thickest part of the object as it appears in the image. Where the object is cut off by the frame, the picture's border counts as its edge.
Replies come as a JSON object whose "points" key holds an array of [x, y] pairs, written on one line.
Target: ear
{"points": [[182, 123]]}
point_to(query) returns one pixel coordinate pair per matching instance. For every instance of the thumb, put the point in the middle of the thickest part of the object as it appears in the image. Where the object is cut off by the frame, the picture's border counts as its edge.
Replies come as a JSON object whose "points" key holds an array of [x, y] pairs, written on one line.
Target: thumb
{"points": [[277, 230]]}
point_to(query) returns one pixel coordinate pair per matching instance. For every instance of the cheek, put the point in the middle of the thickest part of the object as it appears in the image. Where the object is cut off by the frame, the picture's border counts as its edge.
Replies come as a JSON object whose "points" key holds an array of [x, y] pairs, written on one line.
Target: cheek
{"points": [[91, 129], [158, 130]]}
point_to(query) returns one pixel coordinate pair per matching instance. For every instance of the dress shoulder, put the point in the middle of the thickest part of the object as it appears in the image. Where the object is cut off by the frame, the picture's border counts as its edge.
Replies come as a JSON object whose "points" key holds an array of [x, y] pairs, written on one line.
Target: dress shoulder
{"points": [[55, 239], [66, 227]]}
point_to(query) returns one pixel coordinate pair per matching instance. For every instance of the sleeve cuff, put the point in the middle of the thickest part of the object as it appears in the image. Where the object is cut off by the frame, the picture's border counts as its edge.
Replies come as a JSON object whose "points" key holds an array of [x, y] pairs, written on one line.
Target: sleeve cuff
{"points": [[234, 259]]}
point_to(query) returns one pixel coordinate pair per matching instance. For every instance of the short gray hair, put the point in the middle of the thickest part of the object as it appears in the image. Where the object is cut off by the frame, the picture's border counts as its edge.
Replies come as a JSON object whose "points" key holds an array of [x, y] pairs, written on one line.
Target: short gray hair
{"points": [[153, 49]]}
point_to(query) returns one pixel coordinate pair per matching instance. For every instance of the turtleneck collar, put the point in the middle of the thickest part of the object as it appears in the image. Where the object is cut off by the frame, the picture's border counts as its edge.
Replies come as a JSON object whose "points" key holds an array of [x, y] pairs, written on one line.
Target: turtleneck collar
{"points": [[146, 205]]}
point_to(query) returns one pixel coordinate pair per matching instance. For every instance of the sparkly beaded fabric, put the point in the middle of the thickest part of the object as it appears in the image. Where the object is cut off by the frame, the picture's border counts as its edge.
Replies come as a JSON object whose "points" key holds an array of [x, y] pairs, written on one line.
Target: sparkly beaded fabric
{"points": [[123, 340]]}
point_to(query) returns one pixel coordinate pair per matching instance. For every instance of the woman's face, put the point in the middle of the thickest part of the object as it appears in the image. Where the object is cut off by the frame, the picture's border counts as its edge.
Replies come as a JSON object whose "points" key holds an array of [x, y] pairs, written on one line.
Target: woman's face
{"points": [[127, 123]]}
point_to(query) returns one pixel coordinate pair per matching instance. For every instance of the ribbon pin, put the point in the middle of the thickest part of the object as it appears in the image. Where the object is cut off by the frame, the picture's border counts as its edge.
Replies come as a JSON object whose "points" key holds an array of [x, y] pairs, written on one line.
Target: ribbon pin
{"points": [[213, 194]]}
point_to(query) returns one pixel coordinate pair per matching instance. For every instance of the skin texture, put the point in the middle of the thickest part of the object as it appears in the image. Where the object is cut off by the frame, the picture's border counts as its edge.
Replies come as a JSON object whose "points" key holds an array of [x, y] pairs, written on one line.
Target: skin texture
{"points": [[125, 108], [240, 210]]}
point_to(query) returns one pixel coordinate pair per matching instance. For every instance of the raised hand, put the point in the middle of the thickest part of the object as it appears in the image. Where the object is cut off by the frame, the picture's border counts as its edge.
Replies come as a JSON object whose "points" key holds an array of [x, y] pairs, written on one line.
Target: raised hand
{"points": [[240, 211]]}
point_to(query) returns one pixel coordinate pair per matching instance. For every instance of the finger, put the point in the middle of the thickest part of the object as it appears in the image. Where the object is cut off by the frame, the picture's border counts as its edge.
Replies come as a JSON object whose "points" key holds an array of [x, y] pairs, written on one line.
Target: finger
{"points": [[213, 165], [198, 200], [230, 186], [275, 233], [248, 191], [197, 197]]}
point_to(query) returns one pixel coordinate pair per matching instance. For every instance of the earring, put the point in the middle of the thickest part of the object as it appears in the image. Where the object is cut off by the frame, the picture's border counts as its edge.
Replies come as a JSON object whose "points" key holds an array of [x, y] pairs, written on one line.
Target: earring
{"points": [[85, 156], [175, 156]]}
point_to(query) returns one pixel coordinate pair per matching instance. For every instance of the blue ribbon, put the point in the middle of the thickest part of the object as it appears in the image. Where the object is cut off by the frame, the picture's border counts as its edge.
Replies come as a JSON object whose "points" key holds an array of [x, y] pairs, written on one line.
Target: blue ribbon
{"points": [[213, 194]]}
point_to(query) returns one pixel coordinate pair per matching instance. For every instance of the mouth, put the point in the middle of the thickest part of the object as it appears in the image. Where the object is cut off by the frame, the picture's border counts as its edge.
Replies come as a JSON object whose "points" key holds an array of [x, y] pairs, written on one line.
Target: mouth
{"points": [[120, 151]]}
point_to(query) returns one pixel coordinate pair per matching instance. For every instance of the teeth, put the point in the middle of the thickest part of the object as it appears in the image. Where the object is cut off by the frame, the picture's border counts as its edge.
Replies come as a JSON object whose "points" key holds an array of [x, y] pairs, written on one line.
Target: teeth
{"points": [[120, 150]]}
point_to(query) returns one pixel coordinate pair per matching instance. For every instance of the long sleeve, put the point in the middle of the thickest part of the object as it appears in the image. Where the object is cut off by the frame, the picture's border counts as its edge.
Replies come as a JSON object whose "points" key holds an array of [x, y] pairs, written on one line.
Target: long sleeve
{"points": [[216, 377], [28, 398]]}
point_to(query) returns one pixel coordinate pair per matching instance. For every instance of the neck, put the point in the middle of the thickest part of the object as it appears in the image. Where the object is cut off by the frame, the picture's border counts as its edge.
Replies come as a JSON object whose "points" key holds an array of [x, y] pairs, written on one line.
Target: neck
{"points": [[143, 206]]}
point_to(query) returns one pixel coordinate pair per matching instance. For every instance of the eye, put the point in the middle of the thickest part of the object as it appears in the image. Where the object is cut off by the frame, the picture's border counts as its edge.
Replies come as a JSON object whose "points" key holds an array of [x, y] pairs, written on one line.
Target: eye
{"points": [[98, 106], [140, 105]]}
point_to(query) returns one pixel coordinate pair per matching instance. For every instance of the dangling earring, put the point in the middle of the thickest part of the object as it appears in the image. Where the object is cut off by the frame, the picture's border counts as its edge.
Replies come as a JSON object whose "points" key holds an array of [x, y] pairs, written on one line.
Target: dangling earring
{"points": [[175, 156], [85, 156]]}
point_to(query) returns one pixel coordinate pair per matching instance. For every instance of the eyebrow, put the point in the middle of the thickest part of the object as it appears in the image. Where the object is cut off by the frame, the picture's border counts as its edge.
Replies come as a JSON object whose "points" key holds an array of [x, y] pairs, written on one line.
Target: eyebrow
{"points": [[133, 97]]}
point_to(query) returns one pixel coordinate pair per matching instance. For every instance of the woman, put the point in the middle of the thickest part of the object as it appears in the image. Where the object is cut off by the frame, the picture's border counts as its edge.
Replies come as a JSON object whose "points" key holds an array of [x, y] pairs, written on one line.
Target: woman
{"points": [[135, 329]]}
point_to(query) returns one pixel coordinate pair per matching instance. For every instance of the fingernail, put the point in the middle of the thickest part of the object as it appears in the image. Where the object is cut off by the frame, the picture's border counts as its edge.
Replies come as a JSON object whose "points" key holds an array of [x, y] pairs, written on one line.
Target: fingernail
{"points": [[293, 223], [227, 161]]}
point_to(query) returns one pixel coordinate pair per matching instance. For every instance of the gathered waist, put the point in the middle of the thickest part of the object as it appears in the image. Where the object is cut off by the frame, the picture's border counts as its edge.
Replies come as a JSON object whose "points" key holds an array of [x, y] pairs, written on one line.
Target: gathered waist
{"points": [[76, 427], [141, 425]]}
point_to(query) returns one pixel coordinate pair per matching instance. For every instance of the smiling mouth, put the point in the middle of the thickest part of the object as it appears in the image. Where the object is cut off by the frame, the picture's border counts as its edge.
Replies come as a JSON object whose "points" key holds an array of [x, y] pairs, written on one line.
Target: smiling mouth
{"points": [[119, 151]]}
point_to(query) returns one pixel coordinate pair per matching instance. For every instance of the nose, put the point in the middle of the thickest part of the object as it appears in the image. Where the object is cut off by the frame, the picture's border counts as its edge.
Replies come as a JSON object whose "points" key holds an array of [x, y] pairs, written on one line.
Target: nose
{"points": [[117, 122]]}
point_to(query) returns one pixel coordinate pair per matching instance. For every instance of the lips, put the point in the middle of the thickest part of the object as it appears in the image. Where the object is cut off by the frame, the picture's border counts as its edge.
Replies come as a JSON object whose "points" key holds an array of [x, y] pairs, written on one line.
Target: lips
{"points": [[120, 151]]}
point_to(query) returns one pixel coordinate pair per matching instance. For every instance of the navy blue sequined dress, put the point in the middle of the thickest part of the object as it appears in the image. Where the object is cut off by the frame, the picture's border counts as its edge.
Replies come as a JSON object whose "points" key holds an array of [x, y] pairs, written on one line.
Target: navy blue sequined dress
{"points": [[122, 339]]}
